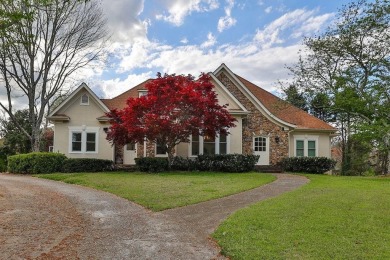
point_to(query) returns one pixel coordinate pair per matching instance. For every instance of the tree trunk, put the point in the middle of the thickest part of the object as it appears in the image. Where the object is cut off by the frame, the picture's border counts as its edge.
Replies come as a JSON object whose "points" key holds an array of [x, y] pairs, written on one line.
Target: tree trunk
{"points": [[346, 154], [35, 141], [170, 152]]}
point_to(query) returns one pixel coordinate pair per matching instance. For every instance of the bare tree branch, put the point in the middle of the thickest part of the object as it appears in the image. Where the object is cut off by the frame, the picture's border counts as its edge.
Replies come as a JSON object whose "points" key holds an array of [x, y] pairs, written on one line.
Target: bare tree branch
{"points": [[39, 54]]}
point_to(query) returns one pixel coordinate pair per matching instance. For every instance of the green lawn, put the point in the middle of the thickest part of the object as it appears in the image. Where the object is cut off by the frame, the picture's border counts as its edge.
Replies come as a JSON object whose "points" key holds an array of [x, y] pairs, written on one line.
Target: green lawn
{"points": [[166, 190], [330, 218]]}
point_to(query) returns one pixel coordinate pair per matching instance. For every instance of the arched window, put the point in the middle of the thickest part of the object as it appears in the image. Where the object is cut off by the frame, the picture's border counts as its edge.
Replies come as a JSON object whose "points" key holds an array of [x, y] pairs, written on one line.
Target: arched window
{"points": [[84, 99]]}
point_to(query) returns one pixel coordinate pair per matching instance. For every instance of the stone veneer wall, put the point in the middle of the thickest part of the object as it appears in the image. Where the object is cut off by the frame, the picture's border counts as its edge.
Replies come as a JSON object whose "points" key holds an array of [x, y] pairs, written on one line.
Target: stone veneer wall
{"points": [[256, 124], [140, 150], [150, 150]]}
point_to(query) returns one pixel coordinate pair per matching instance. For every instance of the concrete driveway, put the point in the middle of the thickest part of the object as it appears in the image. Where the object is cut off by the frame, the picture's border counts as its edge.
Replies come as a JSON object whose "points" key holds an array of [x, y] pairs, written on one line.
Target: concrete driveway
{"points": [[43, 219]]}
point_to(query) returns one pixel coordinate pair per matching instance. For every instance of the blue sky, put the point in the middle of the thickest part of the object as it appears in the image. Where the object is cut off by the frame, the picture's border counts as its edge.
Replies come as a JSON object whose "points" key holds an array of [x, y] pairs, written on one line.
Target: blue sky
{"points": [[254, 38]]}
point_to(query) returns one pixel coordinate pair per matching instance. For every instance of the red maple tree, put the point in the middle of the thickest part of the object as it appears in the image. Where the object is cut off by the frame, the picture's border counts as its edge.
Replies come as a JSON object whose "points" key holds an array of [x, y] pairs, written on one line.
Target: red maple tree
{"points": [[175, 107]]}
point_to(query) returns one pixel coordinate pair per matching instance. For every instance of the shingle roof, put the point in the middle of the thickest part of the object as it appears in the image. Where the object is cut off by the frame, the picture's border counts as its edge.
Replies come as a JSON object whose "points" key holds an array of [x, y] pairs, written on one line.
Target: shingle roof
{"points": [[119, 101], [284, 110], [278, 107]]}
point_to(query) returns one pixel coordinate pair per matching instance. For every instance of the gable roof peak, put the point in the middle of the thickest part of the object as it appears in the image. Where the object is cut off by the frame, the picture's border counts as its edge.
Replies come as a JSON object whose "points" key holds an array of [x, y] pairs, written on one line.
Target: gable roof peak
{"points": [[82, 86]]}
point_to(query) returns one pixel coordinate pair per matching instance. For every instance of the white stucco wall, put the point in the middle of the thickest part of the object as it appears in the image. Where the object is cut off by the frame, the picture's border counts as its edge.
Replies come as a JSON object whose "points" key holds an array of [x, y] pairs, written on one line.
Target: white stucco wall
{"points": [[83, 117], [323, 142]]}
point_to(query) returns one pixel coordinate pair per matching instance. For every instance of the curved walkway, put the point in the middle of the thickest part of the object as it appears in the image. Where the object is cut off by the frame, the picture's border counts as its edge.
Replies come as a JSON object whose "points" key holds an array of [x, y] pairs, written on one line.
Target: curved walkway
{"points": [[43, 219]]}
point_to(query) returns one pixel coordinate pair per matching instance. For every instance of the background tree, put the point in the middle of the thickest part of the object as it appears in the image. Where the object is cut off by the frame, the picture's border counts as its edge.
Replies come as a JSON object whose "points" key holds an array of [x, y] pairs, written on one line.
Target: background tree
{"points": [[14, 140], [350, 64], [295, 97], [321, 107], [39, 55], [174, 108]]}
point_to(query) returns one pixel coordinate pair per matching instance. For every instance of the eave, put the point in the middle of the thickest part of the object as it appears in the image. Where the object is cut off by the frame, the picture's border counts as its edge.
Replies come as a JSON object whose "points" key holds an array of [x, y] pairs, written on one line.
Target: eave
{"points": [[103, 119], [62, 118], [316, 130]]}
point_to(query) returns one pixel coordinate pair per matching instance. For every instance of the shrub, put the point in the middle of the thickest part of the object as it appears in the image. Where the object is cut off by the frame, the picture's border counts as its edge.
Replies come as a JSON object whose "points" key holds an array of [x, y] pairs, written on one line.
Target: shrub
{"points": [[4, 153], [152, 164], [227, 162], [32, 163], [222, 163], [87, 165], [183, 164], [316, 165]]}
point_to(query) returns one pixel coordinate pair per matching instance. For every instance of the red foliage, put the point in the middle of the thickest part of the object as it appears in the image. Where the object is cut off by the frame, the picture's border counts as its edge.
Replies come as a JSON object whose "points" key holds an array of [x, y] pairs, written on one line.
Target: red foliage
{"points": [[174, 108]]}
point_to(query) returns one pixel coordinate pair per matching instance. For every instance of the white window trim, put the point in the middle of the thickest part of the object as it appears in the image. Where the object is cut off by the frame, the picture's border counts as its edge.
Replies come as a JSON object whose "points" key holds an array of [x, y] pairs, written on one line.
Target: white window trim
{"points": [[306, 139], [83, 130], [81, 100], [201, 142]]}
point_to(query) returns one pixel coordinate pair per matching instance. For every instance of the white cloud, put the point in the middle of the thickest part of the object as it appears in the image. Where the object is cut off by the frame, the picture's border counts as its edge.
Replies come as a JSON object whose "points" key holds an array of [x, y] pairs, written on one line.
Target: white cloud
{"points": [[313, 24], [297, 23], [184, 40], [113, 87], [179, 9], [227, 21], [122, 20], [262, 67], [268, 9], [139, 54], [211, 41], [259, 59]]}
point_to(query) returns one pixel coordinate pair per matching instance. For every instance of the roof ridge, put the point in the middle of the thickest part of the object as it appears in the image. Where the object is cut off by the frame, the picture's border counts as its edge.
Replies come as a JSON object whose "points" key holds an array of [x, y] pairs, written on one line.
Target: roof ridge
{"points": [[300, 117], [123, 93], [270, 93]]}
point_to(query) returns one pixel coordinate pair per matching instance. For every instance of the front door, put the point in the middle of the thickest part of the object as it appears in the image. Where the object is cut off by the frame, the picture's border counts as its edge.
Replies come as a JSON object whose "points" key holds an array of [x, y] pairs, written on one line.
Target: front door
{"points": [[261, 147], [129, 153]]}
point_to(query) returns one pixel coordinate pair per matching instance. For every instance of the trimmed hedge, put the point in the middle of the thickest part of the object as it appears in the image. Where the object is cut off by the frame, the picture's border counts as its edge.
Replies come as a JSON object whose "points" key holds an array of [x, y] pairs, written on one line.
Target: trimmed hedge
{"points": [[152, 164], [184, 164], [317, 165], [219, 162], [227, 162], [32, 163], [87, 165]]}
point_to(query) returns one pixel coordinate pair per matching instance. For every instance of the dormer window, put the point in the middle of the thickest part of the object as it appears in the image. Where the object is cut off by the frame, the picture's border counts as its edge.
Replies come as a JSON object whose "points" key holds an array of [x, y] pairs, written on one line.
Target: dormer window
{"points": [[142, 93], [84, 100]]}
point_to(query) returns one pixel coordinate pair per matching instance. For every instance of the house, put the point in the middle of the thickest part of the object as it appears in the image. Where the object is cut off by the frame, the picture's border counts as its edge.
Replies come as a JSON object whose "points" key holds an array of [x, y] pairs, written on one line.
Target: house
{"points": [[266, 126]]}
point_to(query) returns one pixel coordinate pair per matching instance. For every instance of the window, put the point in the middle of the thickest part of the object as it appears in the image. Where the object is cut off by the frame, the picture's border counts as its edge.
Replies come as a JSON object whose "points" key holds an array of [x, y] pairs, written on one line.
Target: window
{"points": [[195, 145], [300, 148], [91, 142], [161, 149], [306, 145], [84, 99], [260, 144], [76, 142], [222, 144], [209, 145], [311, 148], [83, 139], [130, 147], [142, 93]]}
